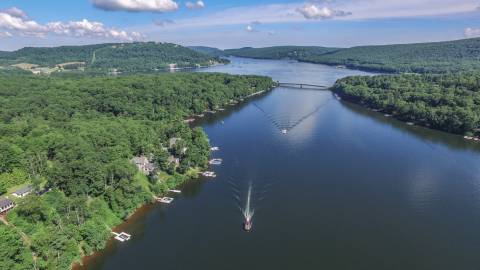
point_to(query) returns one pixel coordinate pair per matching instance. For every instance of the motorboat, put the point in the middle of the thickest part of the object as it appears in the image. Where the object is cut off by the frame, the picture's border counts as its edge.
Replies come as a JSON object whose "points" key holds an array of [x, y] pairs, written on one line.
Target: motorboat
{"points": [[247, 225]]}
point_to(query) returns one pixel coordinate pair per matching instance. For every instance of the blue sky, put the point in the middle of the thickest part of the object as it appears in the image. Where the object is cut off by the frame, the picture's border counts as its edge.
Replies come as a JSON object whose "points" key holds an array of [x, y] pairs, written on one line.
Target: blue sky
{"points": [[228, 24]]}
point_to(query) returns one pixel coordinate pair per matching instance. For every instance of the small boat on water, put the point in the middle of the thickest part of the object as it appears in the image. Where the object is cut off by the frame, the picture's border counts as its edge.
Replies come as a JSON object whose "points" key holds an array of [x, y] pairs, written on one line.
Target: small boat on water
{"points": [[284, 131], [247, 225], [215, 148]]}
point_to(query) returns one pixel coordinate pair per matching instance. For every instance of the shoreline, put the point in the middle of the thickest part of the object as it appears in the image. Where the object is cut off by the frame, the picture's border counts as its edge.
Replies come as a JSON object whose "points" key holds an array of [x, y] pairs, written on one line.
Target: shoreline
{"points": [[132, 218], [474, 139], [145, 208]]}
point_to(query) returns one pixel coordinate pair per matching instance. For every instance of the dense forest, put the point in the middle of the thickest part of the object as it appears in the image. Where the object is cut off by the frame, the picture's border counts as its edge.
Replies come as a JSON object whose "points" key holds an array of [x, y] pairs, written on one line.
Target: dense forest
{"points": [[280, 52], [448, 102], [121, 57], [72, 139], [208, 50], [435, 57]]}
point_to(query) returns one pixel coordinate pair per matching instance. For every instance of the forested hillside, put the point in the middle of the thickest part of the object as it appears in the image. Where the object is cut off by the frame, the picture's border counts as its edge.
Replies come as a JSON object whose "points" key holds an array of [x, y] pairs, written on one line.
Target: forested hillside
{"points": [[122, 57], [436, 57], [208, 50], [280, 52], [446, 102], [77, 136]]}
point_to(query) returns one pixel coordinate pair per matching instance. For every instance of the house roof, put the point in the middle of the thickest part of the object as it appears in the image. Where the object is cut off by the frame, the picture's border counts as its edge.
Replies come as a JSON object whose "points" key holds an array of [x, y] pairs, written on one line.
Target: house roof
{"points": [[23, 190], [139, 160], [5, 202]]}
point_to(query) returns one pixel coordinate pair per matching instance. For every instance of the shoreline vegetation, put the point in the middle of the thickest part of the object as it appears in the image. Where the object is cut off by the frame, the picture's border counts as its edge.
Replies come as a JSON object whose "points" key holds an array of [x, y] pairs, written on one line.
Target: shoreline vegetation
{"points": [[72, 139], [110, 58], [447, 102], [433, 57]]}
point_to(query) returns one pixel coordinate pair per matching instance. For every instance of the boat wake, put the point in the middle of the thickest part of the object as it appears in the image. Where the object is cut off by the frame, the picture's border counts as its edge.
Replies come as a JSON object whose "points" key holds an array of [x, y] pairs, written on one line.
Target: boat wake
{"points": [[285, 123], [248, 202]]}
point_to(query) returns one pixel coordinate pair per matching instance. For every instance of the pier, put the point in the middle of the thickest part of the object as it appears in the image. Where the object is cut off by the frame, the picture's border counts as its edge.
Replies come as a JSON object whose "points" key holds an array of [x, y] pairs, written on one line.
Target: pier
{"points": [[122, 237]]}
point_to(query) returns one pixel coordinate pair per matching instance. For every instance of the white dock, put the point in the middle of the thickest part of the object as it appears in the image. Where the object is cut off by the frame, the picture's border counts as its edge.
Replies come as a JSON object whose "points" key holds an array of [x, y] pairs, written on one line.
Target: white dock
{"points": [[216, 161], [175, 191], [209, 174], [122, 237], [166, 200]]}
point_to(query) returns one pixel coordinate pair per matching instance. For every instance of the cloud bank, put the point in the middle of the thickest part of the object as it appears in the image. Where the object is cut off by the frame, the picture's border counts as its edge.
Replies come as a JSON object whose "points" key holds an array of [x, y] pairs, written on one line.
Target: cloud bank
{"points": [[15, 21], [315, 12], [472, 32], [137, 5]]}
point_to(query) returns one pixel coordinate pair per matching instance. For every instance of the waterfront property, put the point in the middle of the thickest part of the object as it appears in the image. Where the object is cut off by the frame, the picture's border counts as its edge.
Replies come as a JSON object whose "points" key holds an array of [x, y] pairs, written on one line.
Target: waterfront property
{"points": [[5, 205], [143, 164], [22, 192]]}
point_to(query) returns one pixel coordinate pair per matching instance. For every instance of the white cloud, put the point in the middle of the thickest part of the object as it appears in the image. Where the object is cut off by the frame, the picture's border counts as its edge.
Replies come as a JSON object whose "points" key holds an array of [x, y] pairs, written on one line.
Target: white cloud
{"points": [[15, 12], [10, 22], [136, 5], [195, 5], [360, 10], [313, 11], [472, 32], [5, 34], [19, 24], [85, 28]]}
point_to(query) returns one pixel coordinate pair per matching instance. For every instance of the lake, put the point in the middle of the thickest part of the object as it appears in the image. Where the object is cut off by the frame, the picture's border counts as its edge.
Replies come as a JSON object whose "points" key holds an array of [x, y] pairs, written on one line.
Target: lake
{"points": [[345, 188]]}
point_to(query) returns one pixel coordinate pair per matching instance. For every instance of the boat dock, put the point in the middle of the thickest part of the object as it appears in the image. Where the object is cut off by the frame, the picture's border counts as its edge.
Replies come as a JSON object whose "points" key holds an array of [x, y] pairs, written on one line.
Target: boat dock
{"points": [[122, 237], [216, 161], [166, 200], [209, 174]]}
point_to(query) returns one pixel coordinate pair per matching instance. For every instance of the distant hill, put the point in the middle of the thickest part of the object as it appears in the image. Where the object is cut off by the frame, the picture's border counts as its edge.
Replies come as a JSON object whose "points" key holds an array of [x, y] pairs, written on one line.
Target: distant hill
{"points": [[435, 57], [279, 52], [208, 50], [121, 57]]}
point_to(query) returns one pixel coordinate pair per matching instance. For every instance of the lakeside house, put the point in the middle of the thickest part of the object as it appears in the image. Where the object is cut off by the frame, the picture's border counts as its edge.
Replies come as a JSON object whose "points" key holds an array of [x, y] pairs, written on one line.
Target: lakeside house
{"points": [[143, 164], [172, 159], [22, 192], [173, 141], [5, 205]]}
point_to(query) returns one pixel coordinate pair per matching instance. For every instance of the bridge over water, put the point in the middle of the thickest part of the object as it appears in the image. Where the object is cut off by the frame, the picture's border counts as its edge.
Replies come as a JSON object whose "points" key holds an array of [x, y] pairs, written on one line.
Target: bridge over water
{"points": [[303, 86]]}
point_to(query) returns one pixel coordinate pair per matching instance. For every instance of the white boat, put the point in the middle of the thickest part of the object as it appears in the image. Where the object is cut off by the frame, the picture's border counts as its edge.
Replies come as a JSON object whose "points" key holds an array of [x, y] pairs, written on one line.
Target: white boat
{"points": [[284, 131], [215, 148], [175, 191]]}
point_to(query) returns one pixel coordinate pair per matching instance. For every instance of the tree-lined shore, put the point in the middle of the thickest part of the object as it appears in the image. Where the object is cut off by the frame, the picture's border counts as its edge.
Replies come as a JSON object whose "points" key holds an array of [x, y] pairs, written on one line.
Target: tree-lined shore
{"points": [[75, 137]]}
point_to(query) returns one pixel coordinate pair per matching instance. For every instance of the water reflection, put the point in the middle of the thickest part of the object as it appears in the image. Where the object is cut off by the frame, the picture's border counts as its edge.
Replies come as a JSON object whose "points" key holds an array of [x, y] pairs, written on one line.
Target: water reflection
{"points": [[423, 188]]}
